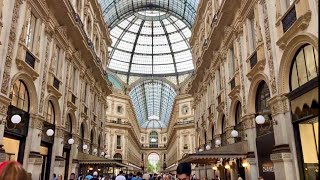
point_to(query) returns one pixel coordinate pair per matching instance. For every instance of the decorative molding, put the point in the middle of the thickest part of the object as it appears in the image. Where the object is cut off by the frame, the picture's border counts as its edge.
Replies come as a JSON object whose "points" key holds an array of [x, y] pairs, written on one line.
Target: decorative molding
{"points": [[44, 75], [278, 105], [10, 52]]}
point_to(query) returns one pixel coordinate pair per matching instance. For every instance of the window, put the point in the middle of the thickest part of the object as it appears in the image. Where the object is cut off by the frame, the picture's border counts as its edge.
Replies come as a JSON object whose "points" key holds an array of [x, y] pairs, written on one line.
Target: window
{"points": [[69, 124], [81, 137], [153, 139], [89, 26], [74, 79], [31, 30], [57, 63], [117, 157], [86, 93], [262, 108], [185, 109], [185, 141], [252, 33], [119, 121], [304, 67], [118, 142], [218, 80], [91, 141], [238, 113], [231, 62], [20, 96], [50, 114], [119, 109]]}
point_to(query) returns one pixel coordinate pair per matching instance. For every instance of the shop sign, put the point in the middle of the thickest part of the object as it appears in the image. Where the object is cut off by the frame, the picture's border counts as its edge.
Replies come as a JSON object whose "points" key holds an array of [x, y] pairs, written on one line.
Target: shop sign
{"points": [[267, 169]]}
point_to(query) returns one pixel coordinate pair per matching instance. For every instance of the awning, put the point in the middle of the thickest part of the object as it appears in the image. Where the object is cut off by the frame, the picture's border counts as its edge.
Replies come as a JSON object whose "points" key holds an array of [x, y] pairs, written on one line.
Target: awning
{"points": [[236, 150], [91, 159]]}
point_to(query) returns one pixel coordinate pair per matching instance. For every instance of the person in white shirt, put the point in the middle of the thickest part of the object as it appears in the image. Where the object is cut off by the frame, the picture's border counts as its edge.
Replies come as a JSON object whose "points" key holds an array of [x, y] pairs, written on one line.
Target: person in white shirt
{"points": [[120, 176], [239, 177]]}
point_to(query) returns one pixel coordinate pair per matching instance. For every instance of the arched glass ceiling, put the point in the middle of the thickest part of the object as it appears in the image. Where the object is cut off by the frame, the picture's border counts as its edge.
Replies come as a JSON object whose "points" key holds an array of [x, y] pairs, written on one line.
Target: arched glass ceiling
{"points": [[115, 10], [152, 101], [151, 43]]}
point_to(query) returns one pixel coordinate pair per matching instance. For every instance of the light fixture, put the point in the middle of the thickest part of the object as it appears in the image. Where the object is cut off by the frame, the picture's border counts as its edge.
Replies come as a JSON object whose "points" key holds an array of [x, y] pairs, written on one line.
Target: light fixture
{"points": [[208, 147], [99, 169], [50, 132], [102, 153], [153, 140], [91, 169], [234, 133], [215, 168], [95, 150], [227, 166], [200, 150], [106, 156], [218, 142], [245, 164], [70, 141], [15, 119], [84, 147], [260, 119]]}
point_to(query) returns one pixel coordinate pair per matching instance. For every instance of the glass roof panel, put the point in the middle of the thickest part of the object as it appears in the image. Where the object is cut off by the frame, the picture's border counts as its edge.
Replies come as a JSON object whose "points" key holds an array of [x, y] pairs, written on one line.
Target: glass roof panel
{"points": [[153, 101], [151, 46]]}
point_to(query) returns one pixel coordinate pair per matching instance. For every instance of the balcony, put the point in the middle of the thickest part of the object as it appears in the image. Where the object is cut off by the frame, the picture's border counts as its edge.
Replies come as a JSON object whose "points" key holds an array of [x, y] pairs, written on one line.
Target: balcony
{"points": [[30, 59], [234, 86], [289, 19], [257, 61], [72, 99], [295, 19], [241, 135], [54, 85], [220, 100]]}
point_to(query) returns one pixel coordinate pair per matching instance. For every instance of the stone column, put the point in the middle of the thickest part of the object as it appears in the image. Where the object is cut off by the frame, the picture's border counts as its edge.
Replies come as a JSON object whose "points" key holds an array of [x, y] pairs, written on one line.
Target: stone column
{"points": [[4, 103], [281, 154], [58, 163], [74, 164], [32, 161], [252, 171]]}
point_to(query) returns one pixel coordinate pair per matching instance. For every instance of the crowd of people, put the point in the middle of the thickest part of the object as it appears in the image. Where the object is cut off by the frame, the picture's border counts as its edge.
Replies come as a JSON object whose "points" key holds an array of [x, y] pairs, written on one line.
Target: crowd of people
{"points": [[12, 170], [127, 176]]}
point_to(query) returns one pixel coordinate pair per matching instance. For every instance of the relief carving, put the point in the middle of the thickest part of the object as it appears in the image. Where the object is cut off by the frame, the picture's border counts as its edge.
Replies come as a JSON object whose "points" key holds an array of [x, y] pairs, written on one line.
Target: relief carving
{"points": [[9, 57]]}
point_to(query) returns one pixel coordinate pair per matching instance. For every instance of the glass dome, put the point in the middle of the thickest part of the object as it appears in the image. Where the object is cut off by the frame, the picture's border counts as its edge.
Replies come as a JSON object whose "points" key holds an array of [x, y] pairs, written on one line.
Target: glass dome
{"points": [[151, 43], [153, 102]]}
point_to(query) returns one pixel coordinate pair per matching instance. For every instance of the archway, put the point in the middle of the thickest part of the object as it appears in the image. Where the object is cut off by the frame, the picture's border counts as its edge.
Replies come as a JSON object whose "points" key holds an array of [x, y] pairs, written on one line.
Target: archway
{"points": [[153, 164]]}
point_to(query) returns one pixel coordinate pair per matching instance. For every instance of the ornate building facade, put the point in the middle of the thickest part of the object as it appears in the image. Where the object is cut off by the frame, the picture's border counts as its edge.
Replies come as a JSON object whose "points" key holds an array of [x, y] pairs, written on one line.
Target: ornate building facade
{"points": [[256, 58]]}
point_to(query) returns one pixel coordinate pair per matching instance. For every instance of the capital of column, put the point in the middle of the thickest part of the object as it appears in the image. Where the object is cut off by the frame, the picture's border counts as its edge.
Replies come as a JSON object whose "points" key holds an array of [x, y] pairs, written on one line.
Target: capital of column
{"points": [[278, 105]]}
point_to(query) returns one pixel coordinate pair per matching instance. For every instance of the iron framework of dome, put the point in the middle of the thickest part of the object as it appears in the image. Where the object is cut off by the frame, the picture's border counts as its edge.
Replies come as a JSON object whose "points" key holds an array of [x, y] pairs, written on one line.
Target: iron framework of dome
{"points": [[153, 101], [150, 38]]}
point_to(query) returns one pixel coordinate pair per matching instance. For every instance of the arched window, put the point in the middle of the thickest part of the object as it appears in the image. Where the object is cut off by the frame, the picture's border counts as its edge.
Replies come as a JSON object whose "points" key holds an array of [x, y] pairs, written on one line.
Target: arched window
{"points": [[89, 26], [20, 96], [117, 157], [81, 137], [223, 124], [91, 141], [238, 113], [153, 139], [262, 108], [212, 132], [304, 67], [69, 124], [99, 143], [262, 97], [50, 114]]}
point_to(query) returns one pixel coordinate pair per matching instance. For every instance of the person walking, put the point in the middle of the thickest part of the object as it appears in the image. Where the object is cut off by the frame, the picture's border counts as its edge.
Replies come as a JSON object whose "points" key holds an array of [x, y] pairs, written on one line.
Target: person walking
{"points": [[239, 177], [95, 176], [120, 176]]}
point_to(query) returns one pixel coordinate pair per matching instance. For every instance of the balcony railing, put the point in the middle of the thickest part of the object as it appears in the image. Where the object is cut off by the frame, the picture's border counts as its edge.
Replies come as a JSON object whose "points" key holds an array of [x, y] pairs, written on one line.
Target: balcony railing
{"points": [[289, 19], [30, 59], [253, 60]]}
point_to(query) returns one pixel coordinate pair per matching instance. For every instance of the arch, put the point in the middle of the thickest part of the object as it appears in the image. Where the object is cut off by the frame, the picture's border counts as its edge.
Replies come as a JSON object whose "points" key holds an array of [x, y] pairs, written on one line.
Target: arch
{"points": [[73, 120], [253, 91], [85, 130], [288, 55], [219, 123], [54, 100], [20, 96], [81, 136], [28, 81], [233, 109], [117, 157]]}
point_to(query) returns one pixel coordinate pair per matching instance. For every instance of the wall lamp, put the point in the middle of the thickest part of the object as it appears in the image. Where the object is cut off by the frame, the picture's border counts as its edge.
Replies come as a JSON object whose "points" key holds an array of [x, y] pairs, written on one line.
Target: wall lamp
{"points": [[15, 119]]}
